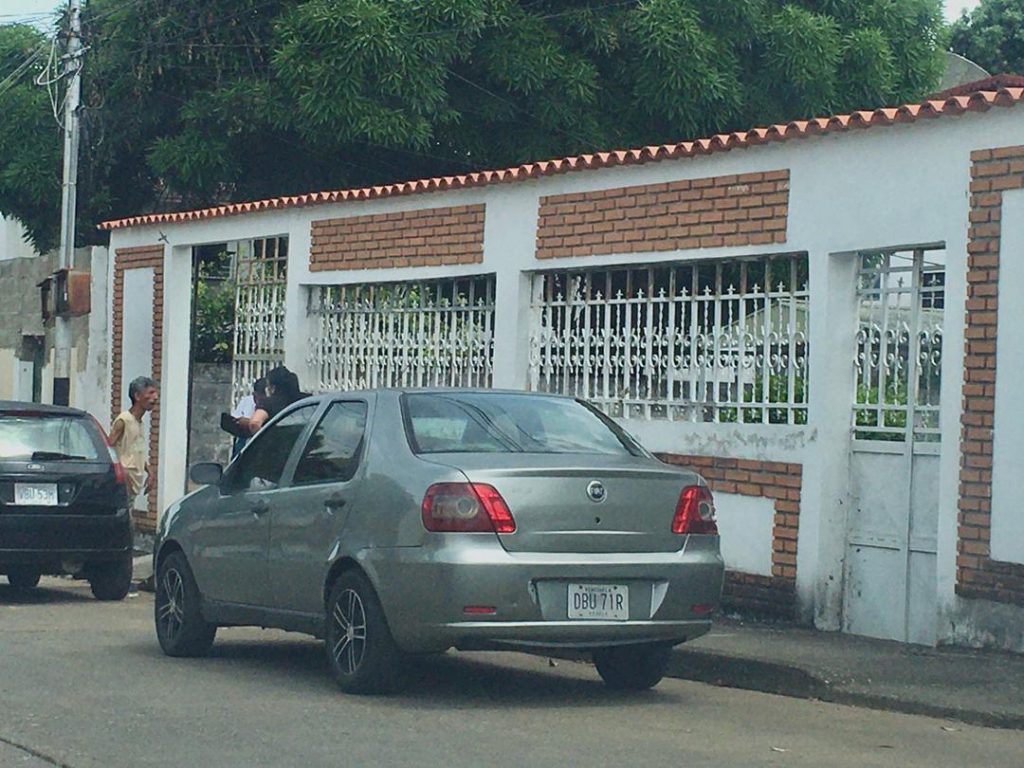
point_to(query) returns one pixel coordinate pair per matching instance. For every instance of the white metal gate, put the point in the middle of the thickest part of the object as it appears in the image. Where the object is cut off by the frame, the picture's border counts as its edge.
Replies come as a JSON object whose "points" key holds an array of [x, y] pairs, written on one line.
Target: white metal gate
{"points": [[430, 333], [261, 277], [722, 341], [889, 588]]}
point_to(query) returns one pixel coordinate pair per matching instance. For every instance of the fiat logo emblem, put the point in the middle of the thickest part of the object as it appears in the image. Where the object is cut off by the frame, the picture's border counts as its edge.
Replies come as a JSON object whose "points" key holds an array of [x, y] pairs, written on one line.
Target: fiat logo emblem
{"points": [[35, 467], [596, 491]]}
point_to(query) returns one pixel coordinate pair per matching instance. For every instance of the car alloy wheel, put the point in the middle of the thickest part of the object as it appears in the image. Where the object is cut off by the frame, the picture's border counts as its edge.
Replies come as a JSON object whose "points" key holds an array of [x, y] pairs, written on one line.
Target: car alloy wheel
{"points": [[361, 652], [349, 618], [180, 626], [170, 601]]}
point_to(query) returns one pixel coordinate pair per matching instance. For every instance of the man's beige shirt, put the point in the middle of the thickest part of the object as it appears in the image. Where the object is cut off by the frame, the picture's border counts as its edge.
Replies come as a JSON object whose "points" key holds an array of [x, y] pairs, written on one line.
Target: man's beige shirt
{"points": [[131, 452]]}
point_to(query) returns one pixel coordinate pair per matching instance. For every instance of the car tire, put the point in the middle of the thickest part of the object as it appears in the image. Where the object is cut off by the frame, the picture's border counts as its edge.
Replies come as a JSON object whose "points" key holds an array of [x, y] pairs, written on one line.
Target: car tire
{"points": [[23, 578], [361, 652], [632, 667], [180, 626], [110, 581]]}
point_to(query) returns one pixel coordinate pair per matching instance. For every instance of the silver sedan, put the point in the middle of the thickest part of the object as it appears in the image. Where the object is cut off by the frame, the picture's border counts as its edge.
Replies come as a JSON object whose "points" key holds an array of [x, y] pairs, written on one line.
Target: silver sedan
{"points": [[399, 522]]}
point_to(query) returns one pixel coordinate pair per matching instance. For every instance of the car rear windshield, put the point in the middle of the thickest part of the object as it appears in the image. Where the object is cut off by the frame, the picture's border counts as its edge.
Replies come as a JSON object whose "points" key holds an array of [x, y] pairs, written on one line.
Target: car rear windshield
{"points": [[48, 437], [462, 422]]}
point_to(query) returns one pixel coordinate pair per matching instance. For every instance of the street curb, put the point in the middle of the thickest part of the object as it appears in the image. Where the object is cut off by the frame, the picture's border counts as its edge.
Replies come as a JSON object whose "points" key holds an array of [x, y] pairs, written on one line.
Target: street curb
{"points": [[795, 682]]}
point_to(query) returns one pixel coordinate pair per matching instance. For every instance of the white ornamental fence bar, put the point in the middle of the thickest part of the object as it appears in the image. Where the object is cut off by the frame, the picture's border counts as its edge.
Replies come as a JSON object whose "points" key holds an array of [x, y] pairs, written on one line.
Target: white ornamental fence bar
{"points": [[723, 341], [436, 333], [261, 280], [898, 363]]}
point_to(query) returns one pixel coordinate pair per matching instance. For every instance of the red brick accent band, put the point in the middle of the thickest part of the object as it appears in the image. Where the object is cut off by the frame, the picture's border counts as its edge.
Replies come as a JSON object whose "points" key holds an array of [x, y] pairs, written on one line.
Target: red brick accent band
{"points": [[979, 576], [771, 595], [139, 258], [421, 238], [716, 212]]}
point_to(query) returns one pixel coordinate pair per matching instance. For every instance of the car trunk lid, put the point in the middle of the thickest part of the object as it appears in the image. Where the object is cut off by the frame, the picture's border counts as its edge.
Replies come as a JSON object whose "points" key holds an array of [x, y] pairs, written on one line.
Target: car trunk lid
{"points": [[60, 487], [558, 506]]}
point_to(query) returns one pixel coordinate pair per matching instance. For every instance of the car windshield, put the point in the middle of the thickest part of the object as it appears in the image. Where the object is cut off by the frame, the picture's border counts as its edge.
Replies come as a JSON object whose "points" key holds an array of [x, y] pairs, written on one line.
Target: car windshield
{"points": [[481, 422], [45, 437]]}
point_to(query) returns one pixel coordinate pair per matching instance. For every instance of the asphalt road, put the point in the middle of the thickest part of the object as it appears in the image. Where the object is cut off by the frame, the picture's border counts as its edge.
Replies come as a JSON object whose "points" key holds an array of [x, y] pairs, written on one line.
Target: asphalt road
{"points": [[84, 684]]}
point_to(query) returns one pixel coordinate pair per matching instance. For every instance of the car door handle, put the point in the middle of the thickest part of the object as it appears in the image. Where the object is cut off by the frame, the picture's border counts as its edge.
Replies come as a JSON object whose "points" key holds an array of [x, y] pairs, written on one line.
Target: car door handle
{"points": [[334, 503], [259, 508]]}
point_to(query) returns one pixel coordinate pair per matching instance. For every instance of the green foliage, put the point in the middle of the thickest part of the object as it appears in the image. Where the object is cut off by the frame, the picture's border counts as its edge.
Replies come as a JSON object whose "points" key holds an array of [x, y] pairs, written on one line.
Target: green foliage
{"points": [[892, 422], [30, 140], [778, 392], [213, 340], [193, 102], [992, 35]]}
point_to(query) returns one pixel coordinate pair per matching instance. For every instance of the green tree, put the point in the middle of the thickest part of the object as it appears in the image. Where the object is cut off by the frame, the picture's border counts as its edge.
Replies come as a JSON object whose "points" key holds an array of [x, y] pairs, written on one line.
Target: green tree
{"points": [[193, 102], [30, 138], [214, 306], [992, 35]]}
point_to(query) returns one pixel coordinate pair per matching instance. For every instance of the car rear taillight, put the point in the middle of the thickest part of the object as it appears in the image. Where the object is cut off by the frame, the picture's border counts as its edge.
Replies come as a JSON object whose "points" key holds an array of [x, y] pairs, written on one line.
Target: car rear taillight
{"points": [[695, 512], [466, 508]]}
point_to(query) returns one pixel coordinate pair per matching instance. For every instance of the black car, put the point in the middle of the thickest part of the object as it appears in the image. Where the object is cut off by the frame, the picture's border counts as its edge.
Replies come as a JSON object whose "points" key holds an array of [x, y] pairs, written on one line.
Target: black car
{"points": [[63, 500]]}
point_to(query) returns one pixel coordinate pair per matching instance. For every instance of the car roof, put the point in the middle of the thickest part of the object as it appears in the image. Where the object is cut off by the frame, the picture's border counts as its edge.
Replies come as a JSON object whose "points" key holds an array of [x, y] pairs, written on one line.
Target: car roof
{"points": [[436, 391], [20, 406], [397, 391]]}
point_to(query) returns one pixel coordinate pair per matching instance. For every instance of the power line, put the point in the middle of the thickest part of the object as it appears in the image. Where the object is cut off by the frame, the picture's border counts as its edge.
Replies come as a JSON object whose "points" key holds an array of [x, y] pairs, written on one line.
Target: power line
{"points": [[12, 79]]}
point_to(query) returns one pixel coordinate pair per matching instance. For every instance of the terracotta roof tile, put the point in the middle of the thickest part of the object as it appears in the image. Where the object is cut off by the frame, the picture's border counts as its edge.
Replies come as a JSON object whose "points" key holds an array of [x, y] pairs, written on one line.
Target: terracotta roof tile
{"points": [[980, 101], [993, 83]]}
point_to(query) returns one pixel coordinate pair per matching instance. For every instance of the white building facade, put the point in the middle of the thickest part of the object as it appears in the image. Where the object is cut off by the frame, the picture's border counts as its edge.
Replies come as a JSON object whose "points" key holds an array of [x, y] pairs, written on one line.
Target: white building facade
{"points": [[807, 314]]}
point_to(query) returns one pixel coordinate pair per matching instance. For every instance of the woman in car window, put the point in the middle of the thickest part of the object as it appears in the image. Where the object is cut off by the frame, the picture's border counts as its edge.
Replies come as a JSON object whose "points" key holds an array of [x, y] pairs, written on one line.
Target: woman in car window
{"points": [[282, 390]]}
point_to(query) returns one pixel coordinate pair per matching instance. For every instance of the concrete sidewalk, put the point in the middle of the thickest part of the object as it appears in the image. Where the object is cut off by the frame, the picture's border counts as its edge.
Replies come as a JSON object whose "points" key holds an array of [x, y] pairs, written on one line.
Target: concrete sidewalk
{"points": [[977, 687]]}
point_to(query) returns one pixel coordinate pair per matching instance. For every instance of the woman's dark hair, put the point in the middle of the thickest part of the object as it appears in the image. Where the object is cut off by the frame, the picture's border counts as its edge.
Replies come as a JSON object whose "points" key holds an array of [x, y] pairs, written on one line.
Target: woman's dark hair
{"points": [[285, 384]]}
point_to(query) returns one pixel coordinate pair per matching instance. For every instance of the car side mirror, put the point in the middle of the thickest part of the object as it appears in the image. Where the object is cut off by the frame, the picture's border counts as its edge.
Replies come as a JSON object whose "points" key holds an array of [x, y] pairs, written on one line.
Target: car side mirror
{"points": [[206, 473]]}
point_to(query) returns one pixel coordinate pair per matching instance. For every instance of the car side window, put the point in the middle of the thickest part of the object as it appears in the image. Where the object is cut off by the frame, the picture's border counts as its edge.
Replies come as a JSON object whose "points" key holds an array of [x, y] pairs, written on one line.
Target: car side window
{"points": [[332, 453], [260, 466]]}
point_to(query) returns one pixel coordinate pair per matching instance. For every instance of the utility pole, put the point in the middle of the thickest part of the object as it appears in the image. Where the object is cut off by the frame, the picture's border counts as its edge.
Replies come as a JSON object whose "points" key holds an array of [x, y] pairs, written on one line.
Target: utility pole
{"points": [[72, 71]]}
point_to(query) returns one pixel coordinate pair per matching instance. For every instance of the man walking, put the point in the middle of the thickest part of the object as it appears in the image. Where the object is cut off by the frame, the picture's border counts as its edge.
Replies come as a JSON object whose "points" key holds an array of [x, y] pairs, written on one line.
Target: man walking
{"points": [[127, 439]]}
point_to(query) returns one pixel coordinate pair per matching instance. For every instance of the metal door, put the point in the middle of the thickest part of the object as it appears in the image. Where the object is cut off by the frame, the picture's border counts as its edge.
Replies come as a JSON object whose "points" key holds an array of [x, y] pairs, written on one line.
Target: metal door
{"points": [[889, 587], [231, 536], [261, 282], [305, 528]]}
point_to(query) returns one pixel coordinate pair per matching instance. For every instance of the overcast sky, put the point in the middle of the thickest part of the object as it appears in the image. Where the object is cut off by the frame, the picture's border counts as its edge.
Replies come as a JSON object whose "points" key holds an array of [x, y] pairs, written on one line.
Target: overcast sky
{"points": [[37, 11]]}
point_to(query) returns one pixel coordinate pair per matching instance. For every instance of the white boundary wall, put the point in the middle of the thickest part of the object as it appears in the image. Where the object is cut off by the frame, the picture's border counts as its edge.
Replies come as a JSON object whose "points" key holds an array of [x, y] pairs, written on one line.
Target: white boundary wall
{"points": [[876, 188]]}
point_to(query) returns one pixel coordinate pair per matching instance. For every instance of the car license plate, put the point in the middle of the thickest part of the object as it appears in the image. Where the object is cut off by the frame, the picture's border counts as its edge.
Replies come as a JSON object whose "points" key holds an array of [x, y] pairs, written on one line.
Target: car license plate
{"points": [[599, 601], [35, 494]]}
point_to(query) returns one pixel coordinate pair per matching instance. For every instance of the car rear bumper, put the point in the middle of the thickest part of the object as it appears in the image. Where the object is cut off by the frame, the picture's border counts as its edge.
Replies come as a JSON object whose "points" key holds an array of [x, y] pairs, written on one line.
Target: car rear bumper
{"points": [[57, 543], [529, 635], [430, 594]]}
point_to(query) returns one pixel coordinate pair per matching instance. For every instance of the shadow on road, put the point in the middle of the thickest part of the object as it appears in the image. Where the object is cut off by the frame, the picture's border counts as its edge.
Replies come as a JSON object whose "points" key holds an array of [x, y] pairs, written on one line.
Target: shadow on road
{"points": [[455, 681], [445, 681], [41, 596]]}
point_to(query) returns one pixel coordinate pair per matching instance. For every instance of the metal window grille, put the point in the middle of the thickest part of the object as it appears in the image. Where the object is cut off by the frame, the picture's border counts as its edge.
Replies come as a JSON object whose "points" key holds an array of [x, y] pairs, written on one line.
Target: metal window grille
{"points": [[261, 277], [722, 341], [410, 334], [898, 364]]}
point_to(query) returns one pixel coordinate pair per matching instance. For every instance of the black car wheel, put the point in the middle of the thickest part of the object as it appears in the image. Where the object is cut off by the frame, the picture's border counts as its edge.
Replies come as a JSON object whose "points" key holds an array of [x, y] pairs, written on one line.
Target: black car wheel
{"points": [[361, 652], [110, 581], [180, 626], [632, 667], [23, 578]]}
